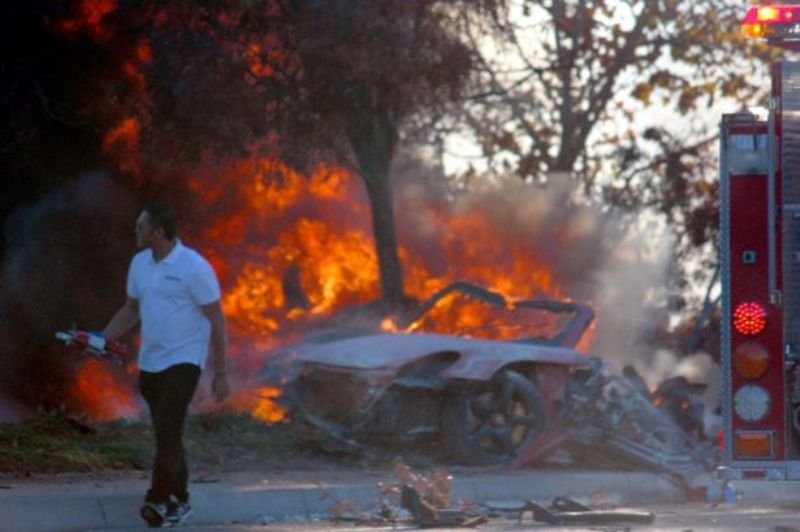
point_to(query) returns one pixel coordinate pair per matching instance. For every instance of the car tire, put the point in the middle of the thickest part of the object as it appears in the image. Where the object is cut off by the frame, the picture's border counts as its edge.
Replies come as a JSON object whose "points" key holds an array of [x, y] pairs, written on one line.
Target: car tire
{"points": [[490, 424]]}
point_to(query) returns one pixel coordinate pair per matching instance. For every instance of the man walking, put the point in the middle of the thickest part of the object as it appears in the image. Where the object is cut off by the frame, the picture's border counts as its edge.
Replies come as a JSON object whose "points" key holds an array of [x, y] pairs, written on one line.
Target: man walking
{"points": [[175, 294]]}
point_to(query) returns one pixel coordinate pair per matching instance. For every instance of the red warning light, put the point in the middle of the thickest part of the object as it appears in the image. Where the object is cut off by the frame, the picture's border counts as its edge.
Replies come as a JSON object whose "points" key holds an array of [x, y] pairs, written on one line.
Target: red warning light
{"points": [[776, 21], [768, 13], [749, 318]]}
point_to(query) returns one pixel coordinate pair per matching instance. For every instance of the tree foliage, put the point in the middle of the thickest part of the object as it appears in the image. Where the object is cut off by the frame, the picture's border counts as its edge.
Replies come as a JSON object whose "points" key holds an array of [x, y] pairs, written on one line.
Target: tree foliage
{"points": [[307, 79], [59, 90], [569, 69], [619, 97]]}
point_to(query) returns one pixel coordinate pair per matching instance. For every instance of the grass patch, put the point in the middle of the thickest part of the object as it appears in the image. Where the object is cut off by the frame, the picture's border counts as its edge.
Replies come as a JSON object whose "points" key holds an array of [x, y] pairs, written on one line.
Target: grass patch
{"points": [[232, 441], [54, 442]]}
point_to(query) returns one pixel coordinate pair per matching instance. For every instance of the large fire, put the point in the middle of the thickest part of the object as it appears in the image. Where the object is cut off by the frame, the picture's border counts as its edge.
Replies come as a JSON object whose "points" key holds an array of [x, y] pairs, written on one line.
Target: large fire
{"points": [[292, 248]]}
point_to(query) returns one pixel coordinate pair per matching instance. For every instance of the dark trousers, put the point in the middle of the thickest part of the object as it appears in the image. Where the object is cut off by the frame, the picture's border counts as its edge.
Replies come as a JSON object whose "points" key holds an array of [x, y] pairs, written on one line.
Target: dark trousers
{"points": [[168, 394]]}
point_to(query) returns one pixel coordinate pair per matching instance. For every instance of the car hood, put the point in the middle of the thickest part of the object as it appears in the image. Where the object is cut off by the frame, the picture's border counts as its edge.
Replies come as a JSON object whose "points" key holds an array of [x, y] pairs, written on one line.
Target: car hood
{"points": [[478, 358]]}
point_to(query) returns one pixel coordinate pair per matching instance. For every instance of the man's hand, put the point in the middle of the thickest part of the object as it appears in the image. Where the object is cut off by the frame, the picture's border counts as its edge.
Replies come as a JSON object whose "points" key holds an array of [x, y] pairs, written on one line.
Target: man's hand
{"points": [[220, 388]]}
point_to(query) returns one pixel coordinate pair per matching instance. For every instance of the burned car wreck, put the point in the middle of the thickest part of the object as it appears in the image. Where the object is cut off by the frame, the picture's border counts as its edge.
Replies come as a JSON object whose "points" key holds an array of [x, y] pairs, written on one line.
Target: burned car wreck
{"points": [[487, 381]]}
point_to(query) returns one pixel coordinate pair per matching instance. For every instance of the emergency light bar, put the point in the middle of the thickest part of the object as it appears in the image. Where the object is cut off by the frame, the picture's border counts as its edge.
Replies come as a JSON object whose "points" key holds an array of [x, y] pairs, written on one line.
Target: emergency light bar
{"points": [[778, 22]]}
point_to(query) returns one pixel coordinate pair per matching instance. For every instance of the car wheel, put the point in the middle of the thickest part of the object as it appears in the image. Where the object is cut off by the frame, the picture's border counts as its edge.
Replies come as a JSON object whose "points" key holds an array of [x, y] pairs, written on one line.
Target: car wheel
{"points": [[491, 424]]}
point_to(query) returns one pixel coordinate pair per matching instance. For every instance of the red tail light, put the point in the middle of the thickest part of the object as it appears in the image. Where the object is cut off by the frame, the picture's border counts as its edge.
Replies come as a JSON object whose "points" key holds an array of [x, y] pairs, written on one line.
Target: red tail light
{"points": [[749, 318]]}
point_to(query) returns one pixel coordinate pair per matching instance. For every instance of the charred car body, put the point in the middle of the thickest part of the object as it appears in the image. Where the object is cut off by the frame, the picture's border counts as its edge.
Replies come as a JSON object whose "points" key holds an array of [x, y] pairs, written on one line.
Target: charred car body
{"points": [[484, 400]]}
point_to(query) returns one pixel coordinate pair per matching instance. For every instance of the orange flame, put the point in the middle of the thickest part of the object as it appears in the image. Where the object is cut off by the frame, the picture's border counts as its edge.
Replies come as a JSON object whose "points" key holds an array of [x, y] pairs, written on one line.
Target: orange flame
{"points": [[266, 409], [123, 140], [473, 318], [89, 17], [389, 325], [143, 54], [310, 261], [268, 58], [260, 403], [102, 394]]}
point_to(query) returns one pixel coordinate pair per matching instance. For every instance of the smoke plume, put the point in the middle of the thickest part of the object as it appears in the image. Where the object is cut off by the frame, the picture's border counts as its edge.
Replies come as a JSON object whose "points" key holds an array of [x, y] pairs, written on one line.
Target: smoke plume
{"points": [[64, 264]]}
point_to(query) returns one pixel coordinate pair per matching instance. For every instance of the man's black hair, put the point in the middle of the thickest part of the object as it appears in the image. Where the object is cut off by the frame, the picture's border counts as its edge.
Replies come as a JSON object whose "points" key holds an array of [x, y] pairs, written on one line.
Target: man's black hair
{"points": [[163, 215]]}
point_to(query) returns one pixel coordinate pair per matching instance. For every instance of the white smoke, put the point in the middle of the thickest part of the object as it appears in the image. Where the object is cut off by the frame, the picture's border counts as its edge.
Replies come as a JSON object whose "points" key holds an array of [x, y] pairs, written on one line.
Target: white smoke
{"points": [[618, 263]]}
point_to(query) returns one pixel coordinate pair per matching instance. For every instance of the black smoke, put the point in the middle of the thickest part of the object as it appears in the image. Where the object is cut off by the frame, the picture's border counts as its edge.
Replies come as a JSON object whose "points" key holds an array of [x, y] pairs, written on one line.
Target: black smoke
{"points": [[65, 264]]}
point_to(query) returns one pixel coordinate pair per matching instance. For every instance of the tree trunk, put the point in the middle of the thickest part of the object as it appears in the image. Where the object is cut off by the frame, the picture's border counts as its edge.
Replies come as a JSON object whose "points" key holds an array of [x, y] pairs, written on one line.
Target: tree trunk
{"points": [[372, 133], [379, 190]]}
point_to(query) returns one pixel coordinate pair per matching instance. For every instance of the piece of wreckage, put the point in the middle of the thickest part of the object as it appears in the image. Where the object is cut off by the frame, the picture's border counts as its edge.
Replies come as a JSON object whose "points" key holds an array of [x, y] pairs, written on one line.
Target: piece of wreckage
{"points": [[488, 382]]}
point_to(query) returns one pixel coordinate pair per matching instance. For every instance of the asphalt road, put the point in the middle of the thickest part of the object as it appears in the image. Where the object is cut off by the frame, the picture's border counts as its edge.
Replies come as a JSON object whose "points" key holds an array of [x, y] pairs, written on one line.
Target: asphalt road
{"points": [[255, 502], [694, 517]]}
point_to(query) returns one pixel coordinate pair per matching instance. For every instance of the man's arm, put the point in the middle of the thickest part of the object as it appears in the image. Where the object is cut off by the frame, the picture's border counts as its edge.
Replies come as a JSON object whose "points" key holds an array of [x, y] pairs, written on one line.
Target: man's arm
{"points": [[219, 385], [123, 321]]}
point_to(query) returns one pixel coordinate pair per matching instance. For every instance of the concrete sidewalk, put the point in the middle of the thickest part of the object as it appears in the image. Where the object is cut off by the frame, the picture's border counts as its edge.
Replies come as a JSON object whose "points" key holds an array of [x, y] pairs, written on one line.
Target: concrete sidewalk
{"points": [[256, 499]]}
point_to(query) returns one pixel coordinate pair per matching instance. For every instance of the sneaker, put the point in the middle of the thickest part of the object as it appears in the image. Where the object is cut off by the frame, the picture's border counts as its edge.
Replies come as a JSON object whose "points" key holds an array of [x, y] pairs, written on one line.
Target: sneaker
{"points": [[177, 512], [154, 513]]}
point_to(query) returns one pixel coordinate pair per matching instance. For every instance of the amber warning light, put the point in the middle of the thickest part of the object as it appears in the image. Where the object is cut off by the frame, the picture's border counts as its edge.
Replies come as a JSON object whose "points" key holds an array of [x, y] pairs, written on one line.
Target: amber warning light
{"points": [[775, 22], [753, 444]]}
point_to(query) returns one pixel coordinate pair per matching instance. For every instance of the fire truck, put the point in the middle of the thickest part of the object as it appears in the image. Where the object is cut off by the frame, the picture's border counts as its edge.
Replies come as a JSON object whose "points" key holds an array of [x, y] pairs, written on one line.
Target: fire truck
{"points": [[760, 259]]}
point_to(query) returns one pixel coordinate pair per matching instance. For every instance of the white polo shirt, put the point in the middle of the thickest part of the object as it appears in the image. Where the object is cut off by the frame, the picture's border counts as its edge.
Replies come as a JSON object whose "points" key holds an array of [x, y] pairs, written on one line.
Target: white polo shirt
{"points": [[170, 293]]}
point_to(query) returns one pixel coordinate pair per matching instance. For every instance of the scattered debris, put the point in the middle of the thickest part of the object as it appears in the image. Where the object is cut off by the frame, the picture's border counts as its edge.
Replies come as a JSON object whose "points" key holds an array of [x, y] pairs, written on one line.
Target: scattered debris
{"points": [[414, 498], [428, 516], [565, 511], [205, 480], [435, 488], [617, 418]]}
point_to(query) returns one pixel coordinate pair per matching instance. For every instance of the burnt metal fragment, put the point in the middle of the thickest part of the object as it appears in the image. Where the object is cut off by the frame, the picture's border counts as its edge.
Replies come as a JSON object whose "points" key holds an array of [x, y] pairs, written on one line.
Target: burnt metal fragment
{"points": [[569, 512], [428, 516]]}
